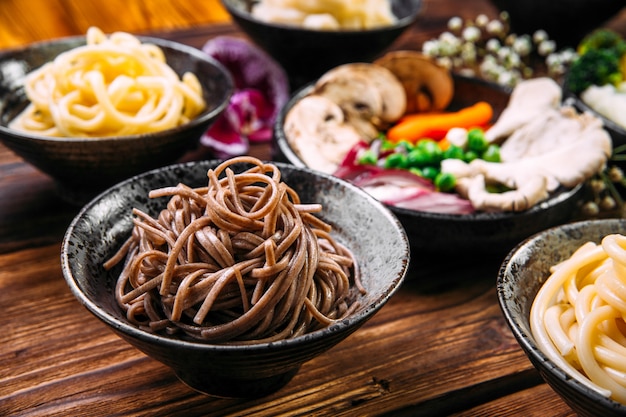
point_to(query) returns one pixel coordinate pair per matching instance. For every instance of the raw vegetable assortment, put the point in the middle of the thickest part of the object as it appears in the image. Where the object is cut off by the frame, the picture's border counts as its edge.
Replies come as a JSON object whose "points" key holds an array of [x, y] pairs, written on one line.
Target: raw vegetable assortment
{"points": [[423, 157]]}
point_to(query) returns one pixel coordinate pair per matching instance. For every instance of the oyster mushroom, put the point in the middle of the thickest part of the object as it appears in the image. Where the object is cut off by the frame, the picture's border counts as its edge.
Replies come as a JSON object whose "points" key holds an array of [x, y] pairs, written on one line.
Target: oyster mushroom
{"points": [[534, 175], [530, 191], [317, 131], [428, 86], [529, 99]]}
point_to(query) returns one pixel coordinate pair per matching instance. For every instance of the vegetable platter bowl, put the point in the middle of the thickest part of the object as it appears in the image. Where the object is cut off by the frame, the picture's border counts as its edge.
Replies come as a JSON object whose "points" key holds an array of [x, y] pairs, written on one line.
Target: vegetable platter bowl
{"points": [[521, 275], [82, 167], [436, 233], [375, 238], [305, 53]]}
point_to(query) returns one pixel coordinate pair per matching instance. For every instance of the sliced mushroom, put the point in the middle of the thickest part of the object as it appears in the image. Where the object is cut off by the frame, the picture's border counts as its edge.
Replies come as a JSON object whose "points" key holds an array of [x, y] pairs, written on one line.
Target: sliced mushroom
{"points": [[317, 131], [357, 97], [383, 81], [428, 86]]}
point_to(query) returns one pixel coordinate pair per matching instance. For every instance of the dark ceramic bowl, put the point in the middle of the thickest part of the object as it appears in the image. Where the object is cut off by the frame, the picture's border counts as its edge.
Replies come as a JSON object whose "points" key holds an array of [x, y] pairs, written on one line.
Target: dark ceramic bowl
{"points": [[82, 167], [375, 237], [565, 21], [488, 233], [521, 275], [306, 54]]}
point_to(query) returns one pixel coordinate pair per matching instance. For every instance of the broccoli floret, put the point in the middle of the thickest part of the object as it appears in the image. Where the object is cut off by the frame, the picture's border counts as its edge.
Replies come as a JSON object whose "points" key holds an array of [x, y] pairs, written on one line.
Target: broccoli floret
{"points": [[595, 67], [602, 39]]}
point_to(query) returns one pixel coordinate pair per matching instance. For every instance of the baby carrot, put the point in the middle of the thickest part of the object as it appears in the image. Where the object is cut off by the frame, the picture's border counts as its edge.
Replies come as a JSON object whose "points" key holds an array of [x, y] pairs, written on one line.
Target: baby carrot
{"points": [[436, 125]]}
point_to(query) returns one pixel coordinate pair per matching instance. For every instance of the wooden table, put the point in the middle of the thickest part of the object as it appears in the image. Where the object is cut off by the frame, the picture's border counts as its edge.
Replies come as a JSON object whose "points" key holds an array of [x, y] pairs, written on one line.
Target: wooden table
{"points": [[439, 347]]}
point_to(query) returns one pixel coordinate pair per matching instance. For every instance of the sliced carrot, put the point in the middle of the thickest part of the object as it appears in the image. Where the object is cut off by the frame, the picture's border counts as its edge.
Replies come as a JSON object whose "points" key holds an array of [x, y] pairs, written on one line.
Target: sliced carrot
{"points": [[436, 125]]}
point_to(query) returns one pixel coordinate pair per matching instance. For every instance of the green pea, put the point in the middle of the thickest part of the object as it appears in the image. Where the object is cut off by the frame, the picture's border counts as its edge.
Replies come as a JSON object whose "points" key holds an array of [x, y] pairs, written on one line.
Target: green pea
{"points": [[418, 158], [430, 172], [368, 157], [396, 160], [476, 140], [453, 152], [470, 156], [431, 148], [492, 153], [445, 181]]}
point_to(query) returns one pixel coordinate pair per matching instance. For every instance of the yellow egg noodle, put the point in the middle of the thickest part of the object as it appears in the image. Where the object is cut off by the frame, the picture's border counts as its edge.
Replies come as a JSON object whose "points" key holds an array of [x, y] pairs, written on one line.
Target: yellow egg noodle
{"points": [[111, 86], [578, 316], [326, 14]]}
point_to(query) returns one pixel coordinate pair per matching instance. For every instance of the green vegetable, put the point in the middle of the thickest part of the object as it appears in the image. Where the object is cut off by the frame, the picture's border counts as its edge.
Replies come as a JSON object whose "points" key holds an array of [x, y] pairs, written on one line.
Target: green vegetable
{"points": [[453, 152], [470, 156], [444, 181], [418, 158], [431, 148], [601, 39], [492, 153], [476, 140], [430, 172], [595, 67], [396, 160], [368, 157]]}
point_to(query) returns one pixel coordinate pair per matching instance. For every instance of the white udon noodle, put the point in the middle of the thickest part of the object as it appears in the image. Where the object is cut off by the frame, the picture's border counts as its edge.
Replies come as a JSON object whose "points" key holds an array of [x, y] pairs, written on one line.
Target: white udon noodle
{"points": [[111, 86], [577, 317]]}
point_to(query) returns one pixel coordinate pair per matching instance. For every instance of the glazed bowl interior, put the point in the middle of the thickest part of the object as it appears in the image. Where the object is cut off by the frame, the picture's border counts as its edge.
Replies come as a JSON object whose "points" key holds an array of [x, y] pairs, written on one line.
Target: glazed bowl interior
{"points": [[305, 54], [433, 234], [82, 167], [376, 239], [522, 273]]}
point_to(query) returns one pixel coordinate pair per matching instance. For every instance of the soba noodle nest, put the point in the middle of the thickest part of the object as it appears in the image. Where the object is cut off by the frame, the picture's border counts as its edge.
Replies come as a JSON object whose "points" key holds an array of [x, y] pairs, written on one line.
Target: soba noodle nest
{"points": [[239, 261]]}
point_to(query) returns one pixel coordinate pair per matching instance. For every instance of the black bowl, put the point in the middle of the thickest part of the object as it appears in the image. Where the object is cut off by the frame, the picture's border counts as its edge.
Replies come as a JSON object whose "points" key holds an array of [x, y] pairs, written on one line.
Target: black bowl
{"points": [[565, 21], [481, 232], [375, 237], [522, 273], [306, 54], [82, 167]]}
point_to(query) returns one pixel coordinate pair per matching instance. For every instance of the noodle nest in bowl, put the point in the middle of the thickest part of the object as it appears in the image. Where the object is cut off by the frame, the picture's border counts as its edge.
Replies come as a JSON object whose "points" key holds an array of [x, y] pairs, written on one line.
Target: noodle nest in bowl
{"points": [[241, 261], [111, 86]]}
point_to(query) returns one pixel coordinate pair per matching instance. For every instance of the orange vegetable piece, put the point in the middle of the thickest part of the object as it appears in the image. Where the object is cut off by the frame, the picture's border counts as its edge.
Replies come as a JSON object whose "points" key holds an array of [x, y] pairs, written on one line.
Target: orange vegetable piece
{"points": [[436, 125]]}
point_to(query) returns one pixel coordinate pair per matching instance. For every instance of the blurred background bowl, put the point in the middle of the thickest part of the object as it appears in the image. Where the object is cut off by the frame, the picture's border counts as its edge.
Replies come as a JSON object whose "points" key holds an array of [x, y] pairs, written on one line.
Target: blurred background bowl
{"points": [[440, 234], [375, 237], [305, 54], [521, 275], [565, 21], [82, 167]]}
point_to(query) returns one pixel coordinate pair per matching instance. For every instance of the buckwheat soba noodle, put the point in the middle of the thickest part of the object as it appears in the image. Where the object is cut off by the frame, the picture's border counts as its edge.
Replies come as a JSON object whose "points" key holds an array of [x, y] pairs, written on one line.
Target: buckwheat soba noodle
{"points": [[241, 260]]}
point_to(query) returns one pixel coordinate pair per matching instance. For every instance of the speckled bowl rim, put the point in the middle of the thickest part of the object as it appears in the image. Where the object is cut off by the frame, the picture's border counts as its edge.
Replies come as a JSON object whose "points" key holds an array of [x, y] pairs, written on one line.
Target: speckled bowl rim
{"points": [[340, 326], [203, 118], [526, 340]]}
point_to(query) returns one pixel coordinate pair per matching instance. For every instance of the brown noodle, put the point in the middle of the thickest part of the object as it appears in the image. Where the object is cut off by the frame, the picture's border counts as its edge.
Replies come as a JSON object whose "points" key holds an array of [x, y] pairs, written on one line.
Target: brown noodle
{"points": [[238, 261]]}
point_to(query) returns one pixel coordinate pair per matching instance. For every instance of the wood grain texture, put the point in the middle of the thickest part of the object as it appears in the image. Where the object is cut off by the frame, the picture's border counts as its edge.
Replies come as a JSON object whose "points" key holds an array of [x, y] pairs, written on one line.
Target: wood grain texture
{"points": [[23, 22]]}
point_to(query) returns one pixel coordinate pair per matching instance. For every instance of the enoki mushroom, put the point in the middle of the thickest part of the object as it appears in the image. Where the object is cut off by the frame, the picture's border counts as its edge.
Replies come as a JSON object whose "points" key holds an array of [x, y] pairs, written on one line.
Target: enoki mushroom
{"points": [[241, 260]]}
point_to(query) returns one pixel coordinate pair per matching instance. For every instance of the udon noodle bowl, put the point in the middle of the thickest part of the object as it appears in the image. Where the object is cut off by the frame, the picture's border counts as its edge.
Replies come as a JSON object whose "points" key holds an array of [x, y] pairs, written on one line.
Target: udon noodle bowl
{"points": [[577, 317], [241, 260]]}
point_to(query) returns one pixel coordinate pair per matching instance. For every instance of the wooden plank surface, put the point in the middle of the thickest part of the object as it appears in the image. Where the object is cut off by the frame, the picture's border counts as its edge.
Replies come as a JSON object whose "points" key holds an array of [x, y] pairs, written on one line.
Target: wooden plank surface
{"points": [[23, 22]]}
